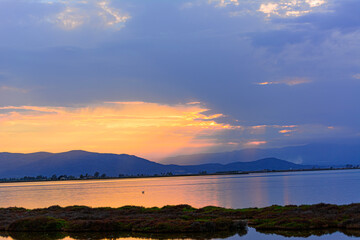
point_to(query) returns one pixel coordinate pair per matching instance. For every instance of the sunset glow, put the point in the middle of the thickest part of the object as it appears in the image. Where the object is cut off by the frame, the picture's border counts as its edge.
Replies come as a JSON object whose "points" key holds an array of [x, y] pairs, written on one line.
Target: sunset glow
{"points": [[145, 129]]}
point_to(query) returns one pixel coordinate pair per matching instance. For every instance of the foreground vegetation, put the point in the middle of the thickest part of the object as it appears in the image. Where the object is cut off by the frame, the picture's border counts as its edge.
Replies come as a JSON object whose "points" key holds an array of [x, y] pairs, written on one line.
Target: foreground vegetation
{"points": [[169, 219], [291, 217], [181, 219]]}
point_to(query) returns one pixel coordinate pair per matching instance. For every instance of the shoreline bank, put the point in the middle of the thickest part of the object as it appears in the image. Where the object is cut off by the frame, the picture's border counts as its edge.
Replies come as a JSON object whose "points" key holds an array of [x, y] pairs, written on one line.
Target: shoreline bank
{"points": [[182, 175]]}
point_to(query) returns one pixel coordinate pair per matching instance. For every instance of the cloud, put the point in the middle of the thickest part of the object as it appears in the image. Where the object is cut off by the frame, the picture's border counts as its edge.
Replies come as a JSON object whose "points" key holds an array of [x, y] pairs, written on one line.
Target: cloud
{"points": [[356, 76], [268, 8], [287, 132], [315, 3], [255, 143], [146, 129], [290, 8], [260, 129], [197, 54], [112, 16], [296, 81], [69, 19], [278, 136], [289, 82], [192, 103], [224, 3], [98, 13], [281, 8]]}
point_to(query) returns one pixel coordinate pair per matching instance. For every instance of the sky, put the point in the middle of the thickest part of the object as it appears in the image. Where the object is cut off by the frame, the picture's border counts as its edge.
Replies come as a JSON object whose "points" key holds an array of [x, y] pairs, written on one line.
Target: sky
{"points": [[164, 78]]}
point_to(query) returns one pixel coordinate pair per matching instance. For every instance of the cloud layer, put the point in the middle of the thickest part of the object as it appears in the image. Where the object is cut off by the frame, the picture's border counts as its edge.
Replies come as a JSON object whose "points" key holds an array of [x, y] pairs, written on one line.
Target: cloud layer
{"points": [[147, 129], [258, 63]]}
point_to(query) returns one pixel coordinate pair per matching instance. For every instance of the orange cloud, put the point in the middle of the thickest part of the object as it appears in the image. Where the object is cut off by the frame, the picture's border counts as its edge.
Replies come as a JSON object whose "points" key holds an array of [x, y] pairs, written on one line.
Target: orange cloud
{"points": [[296, 81], [264, 83], [259, 129], [146, 129], [286, 131], [289, 82], [289, 126], [192, 103], [254, 143]]}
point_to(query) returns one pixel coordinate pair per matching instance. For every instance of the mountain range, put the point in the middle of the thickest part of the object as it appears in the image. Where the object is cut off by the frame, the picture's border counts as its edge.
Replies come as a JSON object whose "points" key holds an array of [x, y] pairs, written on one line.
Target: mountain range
{"points": [[322, 154], [81, 162], [254, 159]]}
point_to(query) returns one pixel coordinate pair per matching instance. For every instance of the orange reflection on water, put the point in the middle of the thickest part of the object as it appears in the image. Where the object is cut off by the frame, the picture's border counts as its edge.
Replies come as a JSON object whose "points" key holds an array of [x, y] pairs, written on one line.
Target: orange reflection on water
{"points": [[286, 190], [199, 191], [258, 184], [233, 191]]}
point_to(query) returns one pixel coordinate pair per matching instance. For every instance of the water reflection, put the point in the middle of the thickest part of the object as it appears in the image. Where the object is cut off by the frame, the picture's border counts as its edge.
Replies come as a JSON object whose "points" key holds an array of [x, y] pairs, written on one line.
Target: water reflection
{"points": [[312, 232], [253, 234], [99, 235], [236, 191]]}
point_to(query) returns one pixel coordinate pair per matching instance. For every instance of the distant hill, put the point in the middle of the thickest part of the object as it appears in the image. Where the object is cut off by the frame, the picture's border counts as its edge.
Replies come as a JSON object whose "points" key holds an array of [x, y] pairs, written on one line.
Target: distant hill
{"points": [[82, 162], [9, 161], [262, 164], [74, 163], [312, 154]]}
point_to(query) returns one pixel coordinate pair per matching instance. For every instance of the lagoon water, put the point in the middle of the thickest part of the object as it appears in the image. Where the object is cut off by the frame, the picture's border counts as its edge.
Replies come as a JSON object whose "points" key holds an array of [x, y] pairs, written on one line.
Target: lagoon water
{"points": [[232, 191]]}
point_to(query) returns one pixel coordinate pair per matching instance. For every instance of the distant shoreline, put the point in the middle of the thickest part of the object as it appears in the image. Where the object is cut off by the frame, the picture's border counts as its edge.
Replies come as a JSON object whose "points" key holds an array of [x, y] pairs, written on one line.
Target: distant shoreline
{"points": [[183, 175]]}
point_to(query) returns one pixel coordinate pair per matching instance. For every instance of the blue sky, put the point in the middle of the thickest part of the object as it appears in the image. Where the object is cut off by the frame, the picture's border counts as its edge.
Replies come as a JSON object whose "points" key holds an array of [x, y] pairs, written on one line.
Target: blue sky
{"points": [[276, 73]]}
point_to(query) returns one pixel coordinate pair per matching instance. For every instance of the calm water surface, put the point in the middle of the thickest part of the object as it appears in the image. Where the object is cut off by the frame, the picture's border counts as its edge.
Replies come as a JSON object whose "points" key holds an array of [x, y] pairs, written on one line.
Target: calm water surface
{"points": [[233, 191]]}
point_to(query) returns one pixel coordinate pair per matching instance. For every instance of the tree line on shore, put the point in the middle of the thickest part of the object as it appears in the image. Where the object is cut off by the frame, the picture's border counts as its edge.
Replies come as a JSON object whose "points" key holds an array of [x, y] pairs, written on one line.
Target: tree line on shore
{"points": [[96, 175]]}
